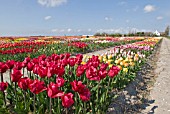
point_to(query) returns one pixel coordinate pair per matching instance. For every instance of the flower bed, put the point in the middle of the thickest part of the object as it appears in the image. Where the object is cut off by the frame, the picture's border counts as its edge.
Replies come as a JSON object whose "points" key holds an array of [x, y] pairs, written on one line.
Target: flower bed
{"points": [[61, 83]]}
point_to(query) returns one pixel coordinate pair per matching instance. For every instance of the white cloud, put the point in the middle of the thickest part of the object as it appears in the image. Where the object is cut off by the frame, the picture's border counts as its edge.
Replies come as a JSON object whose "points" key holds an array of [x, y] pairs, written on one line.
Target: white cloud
{"points": [[149, 8], [159, 18], [69, 30], [108, 18], [51, 3], [47, 17]]}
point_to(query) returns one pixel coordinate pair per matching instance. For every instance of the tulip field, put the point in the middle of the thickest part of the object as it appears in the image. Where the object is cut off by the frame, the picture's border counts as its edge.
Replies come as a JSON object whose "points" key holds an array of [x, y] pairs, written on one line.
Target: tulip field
{"points": [[59, 77]]}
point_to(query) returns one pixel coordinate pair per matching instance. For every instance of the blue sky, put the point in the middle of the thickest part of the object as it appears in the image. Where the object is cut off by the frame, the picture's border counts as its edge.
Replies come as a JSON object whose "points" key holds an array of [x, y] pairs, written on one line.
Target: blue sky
{"points": [[77, 17]]}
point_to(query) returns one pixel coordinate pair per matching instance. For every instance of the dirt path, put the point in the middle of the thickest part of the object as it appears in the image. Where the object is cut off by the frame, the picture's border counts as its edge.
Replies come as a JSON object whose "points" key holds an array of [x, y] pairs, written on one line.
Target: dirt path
{"points": [[160, 93]]}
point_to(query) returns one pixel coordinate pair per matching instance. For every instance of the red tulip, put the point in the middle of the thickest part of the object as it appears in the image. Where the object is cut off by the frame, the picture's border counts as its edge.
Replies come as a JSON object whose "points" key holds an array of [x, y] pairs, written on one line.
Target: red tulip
{"points": [[18, 65], [53, 91], [3, 86], [113, 71], [3, 67], [60, 81], [83, 91], [23, 83], [25, 62], [103, 66], [50, 71], [10, 64], [102, 74], [60, 71], [80, 70], [72, 61], [79, 58], [64, 62], [42, 72], [67, 100], [37, 86], [67, 55], [85, 95], [30, 66], [35, 69], [16, 75], [77, 85], [92, 74]]}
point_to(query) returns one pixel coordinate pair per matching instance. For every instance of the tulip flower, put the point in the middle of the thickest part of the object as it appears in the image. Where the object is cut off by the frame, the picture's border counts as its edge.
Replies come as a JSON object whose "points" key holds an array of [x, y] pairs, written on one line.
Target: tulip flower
{"points": [[3, 86], [3, 67], [42, 72], [23, 83], [10, 64], [37, 86], [80, 70], [30, 66], [53, 91], [16, 75], [60, 81], [18, 65], [67, 100], [92, 74], [113, 71], [72, 61], [83, 91]]}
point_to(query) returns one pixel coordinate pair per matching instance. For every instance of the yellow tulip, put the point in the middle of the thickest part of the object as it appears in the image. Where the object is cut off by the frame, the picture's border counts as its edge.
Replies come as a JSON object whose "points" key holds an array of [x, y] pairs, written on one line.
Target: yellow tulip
{"points": [[126, 64], [109, 61], [104, 59], [100, 58], [122, 63], [131, 63], [110, 65], [136, 55], [125, 70], [109, 56], [121, 59], [83, 62]]}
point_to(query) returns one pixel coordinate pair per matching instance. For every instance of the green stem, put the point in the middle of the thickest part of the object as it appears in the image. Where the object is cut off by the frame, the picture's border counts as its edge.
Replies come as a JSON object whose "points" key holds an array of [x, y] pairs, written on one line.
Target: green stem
{"points": [[4, 98], [25, 99], [2, 79], [84, 109], [98, 97], [34, 104], [23, 72], [50, 106], [76, 110], [16, 98], [59, 110]]}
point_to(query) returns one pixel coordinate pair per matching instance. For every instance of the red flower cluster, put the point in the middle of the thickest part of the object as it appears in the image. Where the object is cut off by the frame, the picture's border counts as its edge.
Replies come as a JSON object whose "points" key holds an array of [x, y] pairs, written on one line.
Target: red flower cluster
{"points": [[22, 47], [83, 91], [78, 44]]}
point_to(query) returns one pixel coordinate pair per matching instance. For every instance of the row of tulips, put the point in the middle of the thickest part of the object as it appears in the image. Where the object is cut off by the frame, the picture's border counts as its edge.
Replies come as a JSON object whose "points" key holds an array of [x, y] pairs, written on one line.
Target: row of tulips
{"points": [[18, 51], [65, 84], [58, 84]]}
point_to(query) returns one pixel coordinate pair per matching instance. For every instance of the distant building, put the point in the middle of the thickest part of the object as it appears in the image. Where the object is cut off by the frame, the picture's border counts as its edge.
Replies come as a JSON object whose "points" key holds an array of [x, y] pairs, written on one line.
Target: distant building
{"points": [[157, 33]]}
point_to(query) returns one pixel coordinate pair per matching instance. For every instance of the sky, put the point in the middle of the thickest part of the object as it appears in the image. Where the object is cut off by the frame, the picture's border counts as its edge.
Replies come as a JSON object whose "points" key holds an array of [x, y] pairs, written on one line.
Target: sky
{"points": [[82, 17]]}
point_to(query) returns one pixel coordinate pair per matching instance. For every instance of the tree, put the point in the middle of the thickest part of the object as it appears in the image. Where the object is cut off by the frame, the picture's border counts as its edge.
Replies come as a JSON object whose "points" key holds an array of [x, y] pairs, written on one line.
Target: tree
{"points": [[167, 31]]}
